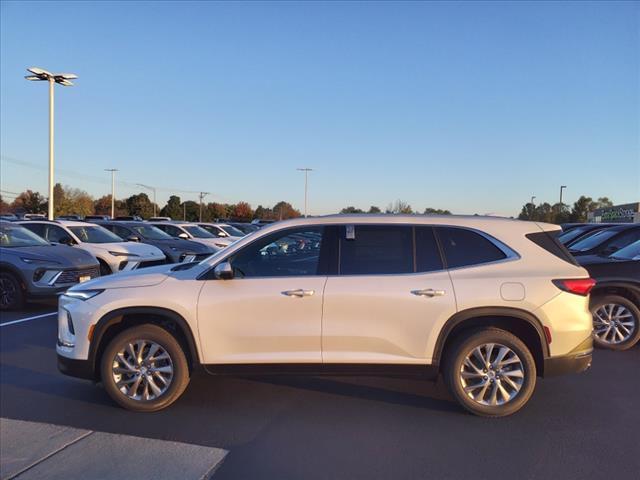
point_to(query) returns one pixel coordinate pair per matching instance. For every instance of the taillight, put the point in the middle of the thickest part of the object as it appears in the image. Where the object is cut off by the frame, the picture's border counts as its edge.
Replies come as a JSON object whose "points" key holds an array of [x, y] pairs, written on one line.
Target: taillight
{"points": [[579, 286]]}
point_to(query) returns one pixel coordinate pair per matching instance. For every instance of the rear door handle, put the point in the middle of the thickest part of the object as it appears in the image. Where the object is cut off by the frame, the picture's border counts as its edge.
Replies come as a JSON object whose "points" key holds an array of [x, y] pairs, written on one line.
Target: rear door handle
{"points": [[428, 292], [298, 293]]}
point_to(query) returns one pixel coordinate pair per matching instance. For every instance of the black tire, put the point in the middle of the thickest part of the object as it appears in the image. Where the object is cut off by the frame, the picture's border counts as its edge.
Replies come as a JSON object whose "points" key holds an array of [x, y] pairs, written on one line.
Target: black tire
{"points": [[104, 268], [11, 293], [178, 361], [599, 308], [453, 373]]}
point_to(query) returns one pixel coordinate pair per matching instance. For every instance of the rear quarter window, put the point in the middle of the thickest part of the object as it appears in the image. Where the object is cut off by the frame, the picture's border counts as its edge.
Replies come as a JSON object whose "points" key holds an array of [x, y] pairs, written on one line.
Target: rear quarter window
{"points": [[462, 247]]}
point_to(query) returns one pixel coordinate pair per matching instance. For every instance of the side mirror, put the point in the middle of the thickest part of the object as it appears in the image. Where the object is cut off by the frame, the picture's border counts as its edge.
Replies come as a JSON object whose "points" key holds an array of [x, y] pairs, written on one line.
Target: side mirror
{"points": [[183, 236], [222, 234], [133, 238], [223, 271]]}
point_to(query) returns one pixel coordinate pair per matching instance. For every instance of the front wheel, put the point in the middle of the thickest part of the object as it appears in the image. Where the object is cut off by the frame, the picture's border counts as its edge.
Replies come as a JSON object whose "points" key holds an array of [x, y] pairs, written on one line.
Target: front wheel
{"points": [[11, 294], [490, 372], [144, 369], [616, 322]]}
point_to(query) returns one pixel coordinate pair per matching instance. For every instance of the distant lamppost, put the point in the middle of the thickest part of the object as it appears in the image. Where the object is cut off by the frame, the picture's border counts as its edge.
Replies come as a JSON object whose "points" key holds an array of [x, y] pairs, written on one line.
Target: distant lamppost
{"points": [[154, 195], [306, 172], [113, 190], [562, 187], [532, 199], [40, 75]]}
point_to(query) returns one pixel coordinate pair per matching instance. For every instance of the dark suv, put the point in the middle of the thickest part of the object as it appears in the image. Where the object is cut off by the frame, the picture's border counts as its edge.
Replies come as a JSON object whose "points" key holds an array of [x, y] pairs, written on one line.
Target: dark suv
{"points": [[30, 266], [175, 249]]}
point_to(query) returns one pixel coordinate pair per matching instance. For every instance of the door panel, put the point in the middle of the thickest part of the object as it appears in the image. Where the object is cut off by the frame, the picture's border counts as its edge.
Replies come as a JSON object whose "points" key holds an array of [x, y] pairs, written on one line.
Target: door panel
{"points": [[250, 320], [377, 318]]}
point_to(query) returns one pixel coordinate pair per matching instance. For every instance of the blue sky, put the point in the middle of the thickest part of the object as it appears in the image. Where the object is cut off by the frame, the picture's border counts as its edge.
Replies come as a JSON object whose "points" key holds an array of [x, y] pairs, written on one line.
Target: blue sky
{"points": [[472, 107]]}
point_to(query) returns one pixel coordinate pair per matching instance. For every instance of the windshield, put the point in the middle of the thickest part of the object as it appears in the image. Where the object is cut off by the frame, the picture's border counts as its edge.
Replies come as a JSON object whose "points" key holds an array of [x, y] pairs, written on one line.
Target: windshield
{"points": [[233, 231], [15, 236], [592, 240], [151, 233], [95, 234], [574, 233], [630, 252], [197, 232]]}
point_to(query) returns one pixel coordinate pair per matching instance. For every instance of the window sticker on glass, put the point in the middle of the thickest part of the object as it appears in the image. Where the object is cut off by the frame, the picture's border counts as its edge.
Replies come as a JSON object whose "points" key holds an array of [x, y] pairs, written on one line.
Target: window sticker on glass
{"points": [[351, 232]]}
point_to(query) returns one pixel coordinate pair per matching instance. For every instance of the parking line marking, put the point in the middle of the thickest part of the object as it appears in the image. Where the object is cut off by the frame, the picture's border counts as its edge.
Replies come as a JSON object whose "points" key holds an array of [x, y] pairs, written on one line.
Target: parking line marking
{"points": [[13, 322]]}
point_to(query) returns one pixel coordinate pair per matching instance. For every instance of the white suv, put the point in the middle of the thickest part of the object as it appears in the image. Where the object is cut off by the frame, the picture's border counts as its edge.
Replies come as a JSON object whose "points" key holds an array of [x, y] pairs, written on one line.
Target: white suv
{"points": [[113, 254], [490, 303]]}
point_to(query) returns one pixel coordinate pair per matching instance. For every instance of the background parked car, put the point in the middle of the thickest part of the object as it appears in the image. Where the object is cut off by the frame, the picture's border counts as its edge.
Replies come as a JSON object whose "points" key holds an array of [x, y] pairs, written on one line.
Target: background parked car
{"points": [[113, 254], [245, 228], [189, 231], [615, 300], [580, 231], [175, 249], [91, 218], [32, 267], [606, 241], [225, 233]]}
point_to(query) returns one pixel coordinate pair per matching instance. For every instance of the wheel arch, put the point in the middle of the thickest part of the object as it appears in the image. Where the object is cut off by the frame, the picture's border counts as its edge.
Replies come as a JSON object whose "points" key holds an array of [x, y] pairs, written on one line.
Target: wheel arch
{"points": [[521, 323], [119, 320], [626, 289]]}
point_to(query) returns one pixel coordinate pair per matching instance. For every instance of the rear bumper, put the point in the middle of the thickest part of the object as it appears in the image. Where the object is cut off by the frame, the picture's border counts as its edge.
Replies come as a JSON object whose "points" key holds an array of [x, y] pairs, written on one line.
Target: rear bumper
{"points": [[76, 368], [578, 360]]}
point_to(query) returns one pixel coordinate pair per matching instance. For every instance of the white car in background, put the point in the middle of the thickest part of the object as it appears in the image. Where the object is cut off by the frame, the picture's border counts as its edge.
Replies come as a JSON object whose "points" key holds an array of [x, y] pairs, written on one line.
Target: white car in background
{"points": [[190, 231], [224, 233], [113, 254]]}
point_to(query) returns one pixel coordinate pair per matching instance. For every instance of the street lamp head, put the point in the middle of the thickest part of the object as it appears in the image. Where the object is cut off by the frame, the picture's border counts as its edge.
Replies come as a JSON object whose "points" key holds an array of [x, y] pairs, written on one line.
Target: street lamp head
{"points": [[42, 75]]}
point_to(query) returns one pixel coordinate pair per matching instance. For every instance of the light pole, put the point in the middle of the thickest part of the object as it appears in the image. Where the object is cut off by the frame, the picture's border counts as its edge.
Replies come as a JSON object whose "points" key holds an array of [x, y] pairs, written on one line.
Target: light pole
{"points": [[202, 195], [40, 75], [532, 199], [562, 187], [154, 195], [113, 190], [306, 171]]}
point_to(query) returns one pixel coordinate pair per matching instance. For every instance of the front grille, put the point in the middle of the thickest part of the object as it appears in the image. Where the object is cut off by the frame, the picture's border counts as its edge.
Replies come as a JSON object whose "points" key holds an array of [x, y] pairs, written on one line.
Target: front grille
{"points": [[151, 263], [73, 276]]}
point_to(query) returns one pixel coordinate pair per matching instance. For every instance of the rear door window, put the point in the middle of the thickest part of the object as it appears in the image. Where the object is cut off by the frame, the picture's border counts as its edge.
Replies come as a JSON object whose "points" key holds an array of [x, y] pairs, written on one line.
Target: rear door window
{"points": [[376, 249], [463, 247], [428, 258]]}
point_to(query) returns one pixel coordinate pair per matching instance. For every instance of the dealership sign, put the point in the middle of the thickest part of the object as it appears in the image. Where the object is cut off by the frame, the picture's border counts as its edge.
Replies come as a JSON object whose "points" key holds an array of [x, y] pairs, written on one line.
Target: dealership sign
{"points": [[627, 213]]}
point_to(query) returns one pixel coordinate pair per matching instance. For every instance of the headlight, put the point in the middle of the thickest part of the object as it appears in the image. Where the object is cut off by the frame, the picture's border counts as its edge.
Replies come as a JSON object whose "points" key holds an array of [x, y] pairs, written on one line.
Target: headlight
{"points": [[124, 254], [82, 294], [38, 261]]}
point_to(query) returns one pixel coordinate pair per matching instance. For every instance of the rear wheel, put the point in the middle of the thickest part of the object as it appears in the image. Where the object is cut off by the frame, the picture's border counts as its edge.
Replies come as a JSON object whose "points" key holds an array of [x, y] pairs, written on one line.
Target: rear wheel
{"points": [[616, 322], [11, 294], [490, 372], [144, 369]]}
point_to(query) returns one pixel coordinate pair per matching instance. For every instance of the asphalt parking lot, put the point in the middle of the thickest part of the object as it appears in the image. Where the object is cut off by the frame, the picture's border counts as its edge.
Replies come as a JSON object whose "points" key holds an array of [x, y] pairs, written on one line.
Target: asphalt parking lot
{"points": [[582, 426]]}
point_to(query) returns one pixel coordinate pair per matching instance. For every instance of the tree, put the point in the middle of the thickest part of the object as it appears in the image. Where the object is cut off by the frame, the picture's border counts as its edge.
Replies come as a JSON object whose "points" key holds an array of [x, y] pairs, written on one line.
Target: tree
{"points": [[72, 201], [283, 210], [30, 202], [544, 213], [399, 206], [351, 210], [218, 210], [374, 209], [242, 210], [528, 212], [139, 205], [602, 202], [581, 208], [436, 211], [193, 210], [173, 208], [560, 213], [4, 206], [262, 213]]}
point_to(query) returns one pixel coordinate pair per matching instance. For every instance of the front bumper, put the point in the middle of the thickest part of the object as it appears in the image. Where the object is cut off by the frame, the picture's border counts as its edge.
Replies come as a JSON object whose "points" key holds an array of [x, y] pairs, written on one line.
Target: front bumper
{"points": [[576, 361], [76, 368]]}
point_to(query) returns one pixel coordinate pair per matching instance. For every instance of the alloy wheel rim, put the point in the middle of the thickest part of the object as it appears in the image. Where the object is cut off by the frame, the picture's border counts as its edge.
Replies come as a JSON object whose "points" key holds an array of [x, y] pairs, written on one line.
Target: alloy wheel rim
{"points": [[7, 292], [613, 323], [142, 370], [492, 374]]}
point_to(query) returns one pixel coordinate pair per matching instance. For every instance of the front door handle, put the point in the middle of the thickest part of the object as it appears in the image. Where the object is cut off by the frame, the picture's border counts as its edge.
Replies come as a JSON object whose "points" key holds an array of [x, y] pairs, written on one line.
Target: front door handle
{"points": [[298, 293], [428, 292]]}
